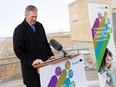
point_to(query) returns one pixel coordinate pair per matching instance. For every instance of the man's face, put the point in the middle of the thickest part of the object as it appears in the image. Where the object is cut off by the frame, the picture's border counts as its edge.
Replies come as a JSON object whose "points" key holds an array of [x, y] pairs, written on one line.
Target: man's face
{"points": [[31, 17]]}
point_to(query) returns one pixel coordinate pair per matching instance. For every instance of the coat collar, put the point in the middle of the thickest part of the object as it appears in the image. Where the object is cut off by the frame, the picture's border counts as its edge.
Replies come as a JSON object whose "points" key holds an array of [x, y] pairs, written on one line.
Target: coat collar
{"points": [[28, 27]]}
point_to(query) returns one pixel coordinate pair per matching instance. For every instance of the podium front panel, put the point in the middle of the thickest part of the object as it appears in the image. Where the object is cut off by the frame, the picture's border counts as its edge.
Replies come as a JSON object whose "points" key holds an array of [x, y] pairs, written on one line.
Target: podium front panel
{"points": [[67, 73]]}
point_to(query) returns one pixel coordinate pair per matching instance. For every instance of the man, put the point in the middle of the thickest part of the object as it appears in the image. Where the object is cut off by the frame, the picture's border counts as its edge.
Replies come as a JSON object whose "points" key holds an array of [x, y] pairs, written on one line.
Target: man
{"points": [[31, 46]]}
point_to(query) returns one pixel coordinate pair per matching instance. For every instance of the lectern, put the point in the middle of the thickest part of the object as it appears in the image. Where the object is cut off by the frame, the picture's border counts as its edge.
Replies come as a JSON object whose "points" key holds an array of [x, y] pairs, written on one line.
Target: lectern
{"points": [[49, 62], [66, 71]]}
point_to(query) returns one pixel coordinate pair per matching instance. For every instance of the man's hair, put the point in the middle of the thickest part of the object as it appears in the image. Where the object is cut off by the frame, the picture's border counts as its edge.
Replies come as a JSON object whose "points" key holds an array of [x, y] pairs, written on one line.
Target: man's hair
{"points": [[30, 8]]}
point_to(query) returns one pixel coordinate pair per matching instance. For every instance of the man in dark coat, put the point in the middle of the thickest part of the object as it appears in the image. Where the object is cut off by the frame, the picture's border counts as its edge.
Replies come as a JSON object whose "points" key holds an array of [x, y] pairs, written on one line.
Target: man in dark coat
{"points": [[31, 46]]}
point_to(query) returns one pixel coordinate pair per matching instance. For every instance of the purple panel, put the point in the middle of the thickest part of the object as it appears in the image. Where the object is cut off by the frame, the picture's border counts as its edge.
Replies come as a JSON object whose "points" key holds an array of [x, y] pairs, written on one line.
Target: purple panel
{"points": [[95, 26]]}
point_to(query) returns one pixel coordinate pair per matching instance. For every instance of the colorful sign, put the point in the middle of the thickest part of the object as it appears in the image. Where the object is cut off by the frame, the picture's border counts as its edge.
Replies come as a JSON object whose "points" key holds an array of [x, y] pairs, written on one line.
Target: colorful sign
{"points": [[105, 52], [69, 73], [101, 29]]}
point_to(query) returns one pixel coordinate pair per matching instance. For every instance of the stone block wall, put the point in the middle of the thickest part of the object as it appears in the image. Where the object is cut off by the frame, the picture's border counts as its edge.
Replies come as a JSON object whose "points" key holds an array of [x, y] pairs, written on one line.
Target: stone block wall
{"points": [[9, 72]]}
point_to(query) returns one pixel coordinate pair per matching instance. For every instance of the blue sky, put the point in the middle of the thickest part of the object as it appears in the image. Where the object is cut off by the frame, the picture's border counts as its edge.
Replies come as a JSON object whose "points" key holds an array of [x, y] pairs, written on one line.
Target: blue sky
{"points": [[53, 14]]}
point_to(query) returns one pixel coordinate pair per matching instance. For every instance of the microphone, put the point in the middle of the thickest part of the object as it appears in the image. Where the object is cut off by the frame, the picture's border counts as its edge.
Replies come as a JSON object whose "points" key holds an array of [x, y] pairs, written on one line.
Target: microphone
{"points": [[57, 46]]}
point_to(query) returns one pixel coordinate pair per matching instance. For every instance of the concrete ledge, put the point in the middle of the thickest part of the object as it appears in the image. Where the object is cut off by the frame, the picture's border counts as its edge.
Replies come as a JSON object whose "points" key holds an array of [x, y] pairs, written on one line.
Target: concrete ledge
{"points": [[13, 83]]}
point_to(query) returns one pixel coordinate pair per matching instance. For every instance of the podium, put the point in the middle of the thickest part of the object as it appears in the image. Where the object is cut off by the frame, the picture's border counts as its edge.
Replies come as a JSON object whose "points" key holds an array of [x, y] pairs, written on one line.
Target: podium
{"points": [[66, 71], [53, 61]]}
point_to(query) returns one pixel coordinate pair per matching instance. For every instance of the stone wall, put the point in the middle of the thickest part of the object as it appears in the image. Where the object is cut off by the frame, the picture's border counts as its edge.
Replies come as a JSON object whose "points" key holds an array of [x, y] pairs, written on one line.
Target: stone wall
{"points": [[9, 72], [63, 38], [6, 47]]}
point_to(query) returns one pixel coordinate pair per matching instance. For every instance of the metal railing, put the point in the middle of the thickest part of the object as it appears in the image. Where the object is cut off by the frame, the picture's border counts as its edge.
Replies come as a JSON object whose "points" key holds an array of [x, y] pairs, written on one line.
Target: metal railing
{"points": [[79, 51]]}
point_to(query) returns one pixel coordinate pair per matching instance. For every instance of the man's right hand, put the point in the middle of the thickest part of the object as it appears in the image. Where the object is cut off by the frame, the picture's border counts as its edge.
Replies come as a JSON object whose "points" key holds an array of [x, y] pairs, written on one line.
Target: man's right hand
{"points": [[37, 61]]}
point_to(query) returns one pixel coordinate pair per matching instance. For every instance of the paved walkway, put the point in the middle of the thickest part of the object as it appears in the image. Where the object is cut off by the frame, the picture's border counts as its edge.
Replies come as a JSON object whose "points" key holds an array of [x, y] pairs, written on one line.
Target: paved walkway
{"points": [[19, 83]]}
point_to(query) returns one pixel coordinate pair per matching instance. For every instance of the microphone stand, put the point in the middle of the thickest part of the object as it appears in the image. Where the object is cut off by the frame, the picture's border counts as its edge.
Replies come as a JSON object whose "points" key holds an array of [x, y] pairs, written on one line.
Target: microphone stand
{"points": [[65, 54]]}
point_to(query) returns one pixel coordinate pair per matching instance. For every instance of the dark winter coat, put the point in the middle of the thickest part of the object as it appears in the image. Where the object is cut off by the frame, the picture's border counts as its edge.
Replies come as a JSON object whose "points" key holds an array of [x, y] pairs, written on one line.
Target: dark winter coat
{"points": [[28, 46]]}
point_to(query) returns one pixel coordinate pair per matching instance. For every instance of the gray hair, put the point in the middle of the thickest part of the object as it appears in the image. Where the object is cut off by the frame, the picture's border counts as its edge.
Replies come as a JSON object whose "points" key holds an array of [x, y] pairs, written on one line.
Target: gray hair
{"points": [[30, 8]]}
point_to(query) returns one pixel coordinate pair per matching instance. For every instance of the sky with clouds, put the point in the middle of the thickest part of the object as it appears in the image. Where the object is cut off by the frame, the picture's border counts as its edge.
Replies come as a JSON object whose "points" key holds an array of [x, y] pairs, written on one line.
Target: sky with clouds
{"points": [[53, 14]]}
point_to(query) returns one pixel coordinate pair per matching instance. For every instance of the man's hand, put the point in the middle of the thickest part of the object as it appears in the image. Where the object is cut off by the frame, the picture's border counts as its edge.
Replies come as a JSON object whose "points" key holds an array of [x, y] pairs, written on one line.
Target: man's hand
{"points": [[53, 57], [37, 61]]}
